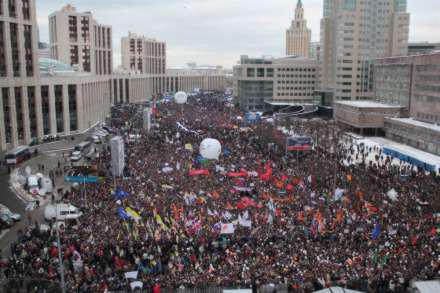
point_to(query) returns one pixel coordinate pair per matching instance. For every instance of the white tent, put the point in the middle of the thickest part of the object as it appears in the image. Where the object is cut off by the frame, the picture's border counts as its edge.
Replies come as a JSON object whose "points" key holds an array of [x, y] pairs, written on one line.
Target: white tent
{"points": [[427, 286], [337, 290]]}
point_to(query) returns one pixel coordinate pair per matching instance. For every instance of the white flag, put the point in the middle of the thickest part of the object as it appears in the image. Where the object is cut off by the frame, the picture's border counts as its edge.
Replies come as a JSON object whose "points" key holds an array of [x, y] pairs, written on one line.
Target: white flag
{"points": [[244, 222], [227, 229]]}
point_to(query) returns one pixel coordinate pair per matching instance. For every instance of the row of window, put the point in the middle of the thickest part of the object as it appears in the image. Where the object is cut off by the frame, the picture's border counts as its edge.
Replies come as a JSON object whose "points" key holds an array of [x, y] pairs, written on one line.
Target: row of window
{"points": [[13, 11], [14, 38], [296, 81], [297, 76], [297, 69], [284, 94], [13, 96]]}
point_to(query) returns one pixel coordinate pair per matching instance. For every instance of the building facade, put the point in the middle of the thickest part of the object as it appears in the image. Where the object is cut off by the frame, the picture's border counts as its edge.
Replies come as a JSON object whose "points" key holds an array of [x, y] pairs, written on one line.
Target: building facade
{"points": [[298, 36], [143, 55], [421, 135], [261, 81], [365, 117], [412, 82], [77, 39], [353, 34]]}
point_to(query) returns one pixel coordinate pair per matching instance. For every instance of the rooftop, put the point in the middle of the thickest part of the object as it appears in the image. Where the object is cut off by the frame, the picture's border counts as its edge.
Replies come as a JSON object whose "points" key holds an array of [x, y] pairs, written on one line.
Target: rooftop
{"points": [[52, 67], [418, 123], [367, 104]]}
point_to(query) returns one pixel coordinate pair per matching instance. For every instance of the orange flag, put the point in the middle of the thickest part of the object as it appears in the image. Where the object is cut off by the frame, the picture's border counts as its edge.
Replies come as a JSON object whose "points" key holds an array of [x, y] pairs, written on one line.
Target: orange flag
{"points": [[340, 216]]}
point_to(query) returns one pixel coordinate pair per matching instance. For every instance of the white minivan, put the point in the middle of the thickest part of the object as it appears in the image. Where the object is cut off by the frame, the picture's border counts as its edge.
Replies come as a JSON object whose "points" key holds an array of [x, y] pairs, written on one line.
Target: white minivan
{"points": [[61, 212]]}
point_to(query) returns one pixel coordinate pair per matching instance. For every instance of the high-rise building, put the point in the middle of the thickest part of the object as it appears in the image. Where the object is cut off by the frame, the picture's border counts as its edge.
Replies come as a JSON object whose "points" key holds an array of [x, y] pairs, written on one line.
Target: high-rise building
{"points": [[298, 36], [77, 39], [143, 55], [353, 34]]}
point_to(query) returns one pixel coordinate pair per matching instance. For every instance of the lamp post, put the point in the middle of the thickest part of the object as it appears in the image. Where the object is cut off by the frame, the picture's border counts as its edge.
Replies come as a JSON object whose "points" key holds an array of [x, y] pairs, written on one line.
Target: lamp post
{"points": [[60, 257]]}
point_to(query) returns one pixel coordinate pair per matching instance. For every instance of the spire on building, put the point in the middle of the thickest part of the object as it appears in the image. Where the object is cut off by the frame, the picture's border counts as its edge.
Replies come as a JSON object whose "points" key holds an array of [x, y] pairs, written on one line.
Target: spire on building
{"points": [[299, 11], [298, 35]]}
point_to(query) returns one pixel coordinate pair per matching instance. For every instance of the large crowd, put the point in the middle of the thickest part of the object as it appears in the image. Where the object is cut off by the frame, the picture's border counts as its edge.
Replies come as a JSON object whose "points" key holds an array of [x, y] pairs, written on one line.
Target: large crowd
{"points": [[256, 216]]}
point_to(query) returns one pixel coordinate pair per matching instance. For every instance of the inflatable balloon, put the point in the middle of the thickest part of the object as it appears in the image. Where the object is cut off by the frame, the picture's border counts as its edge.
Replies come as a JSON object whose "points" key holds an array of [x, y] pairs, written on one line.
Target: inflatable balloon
{"points": [[210, 149], [180, 97]]}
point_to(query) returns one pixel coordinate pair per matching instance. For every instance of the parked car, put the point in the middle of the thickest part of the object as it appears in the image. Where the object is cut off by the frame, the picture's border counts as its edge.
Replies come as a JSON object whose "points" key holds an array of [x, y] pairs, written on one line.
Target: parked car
{"points": [[6, 221], [6, 211], [61, 212], [75, 156]]}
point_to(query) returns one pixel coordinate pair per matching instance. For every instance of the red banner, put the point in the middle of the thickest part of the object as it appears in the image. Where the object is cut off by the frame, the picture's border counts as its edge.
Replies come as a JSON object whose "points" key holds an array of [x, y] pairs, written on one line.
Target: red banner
{"points": [[199, 172]]}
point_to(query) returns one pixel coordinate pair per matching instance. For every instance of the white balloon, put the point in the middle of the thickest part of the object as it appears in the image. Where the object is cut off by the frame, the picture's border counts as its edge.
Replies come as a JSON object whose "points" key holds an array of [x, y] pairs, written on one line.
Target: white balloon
{"points": [[180, 97], [210, 149]]}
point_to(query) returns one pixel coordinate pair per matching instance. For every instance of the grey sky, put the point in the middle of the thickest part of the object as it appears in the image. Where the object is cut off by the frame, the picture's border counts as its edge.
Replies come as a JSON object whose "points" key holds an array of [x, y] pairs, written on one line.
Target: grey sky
{"points": [[219, 31]]}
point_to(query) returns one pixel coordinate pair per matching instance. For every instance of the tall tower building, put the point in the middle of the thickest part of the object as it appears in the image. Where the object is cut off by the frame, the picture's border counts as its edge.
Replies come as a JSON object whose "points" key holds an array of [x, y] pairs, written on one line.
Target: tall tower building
{"points": [[77, 39], [143, 55], [353, 33], [298, 36]]}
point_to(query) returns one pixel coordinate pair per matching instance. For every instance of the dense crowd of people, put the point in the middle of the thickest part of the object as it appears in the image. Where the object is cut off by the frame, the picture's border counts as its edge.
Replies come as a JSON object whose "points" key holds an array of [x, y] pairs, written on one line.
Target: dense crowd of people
{"points": [[256, 216]]}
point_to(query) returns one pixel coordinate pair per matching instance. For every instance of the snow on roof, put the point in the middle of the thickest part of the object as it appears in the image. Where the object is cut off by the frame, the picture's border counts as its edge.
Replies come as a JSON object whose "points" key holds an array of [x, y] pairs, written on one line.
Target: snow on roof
{"points": [[427, 286], [337, 290], [418, 123], [405, 149], [367, 104]]}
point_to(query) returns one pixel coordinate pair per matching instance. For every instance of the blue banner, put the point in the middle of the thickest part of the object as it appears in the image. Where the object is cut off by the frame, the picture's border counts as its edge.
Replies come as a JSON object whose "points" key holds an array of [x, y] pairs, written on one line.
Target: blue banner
{"points": [[81, 179]]}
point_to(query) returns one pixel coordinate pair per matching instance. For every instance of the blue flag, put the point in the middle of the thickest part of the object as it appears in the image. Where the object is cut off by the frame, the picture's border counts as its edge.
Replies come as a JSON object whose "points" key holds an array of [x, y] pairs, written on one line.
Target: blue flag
{"points": [[120, 194], [123, 214], [376, 232]]}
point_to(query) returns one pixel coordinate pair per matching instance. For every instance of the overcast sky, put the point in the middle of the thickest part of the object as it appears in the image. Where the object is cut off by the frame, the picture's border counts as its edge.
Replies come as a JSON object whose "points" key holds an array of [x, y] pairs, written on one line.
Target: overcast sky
{"points": [[219, 31]]}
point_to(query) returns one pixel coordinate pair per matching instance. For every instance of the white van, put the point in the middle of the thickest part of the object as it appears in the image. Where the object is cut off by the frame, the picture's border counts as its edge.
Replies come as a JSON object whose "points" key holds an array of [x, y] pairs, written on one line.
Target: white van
{"points": [[61, 212]]}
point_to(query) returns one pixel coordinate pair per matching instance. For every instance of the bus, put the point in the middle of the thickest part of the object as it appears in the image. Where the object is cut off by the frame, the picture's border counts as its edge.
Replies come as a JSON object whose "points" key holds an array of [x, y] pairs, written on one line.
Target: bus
{"points": [[83, 147], [18, 155]]}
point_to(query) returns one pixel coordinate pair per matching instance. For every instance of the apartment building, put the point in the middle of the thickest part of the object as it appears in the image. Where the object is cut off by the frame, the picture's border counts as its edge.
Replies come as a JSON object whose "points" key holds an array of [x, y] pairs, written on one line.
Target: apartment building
{"points": [[353, 34], [298, 36], [77, 39], [143, 55]]}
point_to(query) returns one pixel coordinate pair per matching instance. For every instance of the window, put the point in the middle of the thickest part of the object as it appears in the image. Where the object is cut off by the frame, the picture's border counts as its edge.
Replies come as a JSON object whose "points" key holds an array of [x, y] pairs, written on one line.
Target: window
{"points": [[12, 8], [2, 50], [26, 9], [251, 72], [260, 72], [59, 110], [73, 108], [28, 50], [32, 111], [15, 49]]}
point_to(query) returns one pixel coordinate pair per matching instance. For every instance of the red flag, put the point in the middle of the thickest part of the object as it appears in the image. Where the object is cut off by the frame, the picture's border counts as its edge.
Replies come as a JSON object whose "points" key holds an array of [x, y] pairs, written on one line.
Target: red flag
{"points": [[433, 231], [242, 173], [414, 240], [199, 172], [371, 208]]}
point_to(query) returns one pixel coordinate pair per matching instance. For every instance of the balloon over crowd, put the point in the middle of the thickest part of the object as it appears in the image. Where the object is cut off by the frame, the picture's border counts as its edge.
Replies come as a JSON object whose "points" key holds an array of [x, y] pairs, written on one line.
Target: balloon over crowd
{"points": [[243, 213], [210, 149], [181, 98]]}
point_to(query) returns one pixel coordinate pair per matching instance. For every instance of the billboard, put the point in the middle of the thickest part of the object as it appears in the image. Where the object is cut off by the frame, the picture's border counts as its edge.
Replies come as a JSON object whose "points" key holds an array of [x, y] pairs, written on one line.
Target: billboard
{"points": [[118, 155], [299, 143]]}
